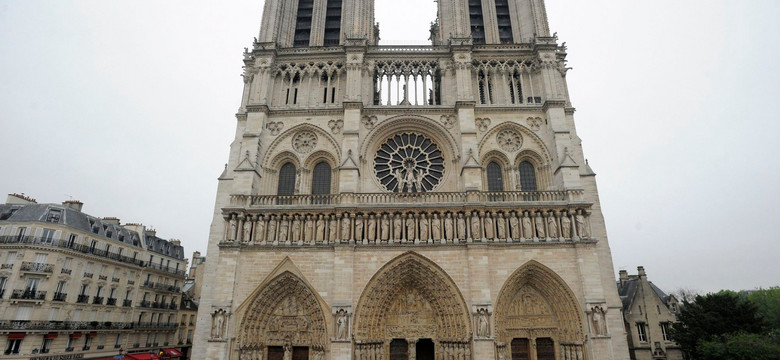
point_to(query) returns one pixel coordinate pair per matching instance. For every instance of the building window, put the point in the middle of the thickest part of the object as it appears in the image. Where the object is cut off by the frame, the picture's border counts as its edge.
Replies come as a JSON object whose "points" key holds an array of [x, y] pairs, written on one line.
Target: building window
{"points": [[303, 23], [46, 345], [118, 342], [665, 331], [504, 21], [477, 24], [3, 281], [641, 332], [286, 184], [495, 177], [13, 346], [320, 182], [47, 236], [527, 176], [333, 23]]}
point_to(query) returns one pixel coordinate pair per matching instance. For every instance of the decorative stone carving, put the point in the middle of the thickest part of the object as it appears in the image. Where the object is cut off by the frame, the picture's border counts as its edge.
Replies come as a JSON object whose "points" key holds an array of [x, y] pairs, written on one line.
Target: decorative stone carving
{"points": [[336, 126], [476, 229], [482, 124], [246, 230], [598, 320], [218, 320], [527, 230], [449, 228], [448, 121], [552, 226], [514, 226], [539, 225], [296, 229], [332, 228], [582, 227], [275, 127], [509, 140], [409, 162], [461, 227], [369, 121], [283, 229], [483, 322], [346, 228], [359, 228], [342, 323], [424, 228], [535, 123], [304, 141], [308, 231], [385, 227], [501, 225], [372, 228], [436, 227], [565, 226]]}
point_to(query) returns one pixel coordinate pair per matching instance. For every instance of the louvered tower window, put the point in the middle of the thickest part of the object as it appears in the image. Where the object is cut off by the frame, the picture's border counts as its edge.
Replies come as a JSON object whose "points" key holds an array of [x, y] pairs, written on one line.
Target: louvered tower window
{"points": [[477, 24], [504, 22], [286, 180], [303, 23], [320, 182], [527, 176], [494, 177], [333, 23]]}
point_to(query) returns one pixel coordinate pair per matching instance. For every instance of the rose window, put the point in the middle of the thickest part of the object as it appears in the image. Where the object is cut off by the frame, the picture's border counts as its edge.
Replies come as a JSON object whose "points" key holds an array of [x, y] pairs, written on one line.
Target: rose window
{"points": [[409, 162], [304, 141]]}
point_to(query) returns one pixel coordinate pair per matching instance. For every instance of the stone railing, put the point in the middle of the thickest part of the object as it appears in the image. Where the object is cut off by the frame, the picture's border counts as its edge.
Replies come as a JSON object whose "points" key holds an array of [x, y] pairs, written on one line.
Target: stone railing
{"points": [[392, 218]]}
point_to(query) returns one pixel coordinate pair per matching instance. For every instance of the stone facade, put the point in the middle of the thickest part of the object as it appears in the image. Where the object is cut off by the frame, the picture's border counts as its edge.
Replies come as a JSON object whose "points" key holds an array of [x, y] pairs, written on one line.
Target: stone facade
{"points": [[75, 286], [648, 313], [407, 202]]}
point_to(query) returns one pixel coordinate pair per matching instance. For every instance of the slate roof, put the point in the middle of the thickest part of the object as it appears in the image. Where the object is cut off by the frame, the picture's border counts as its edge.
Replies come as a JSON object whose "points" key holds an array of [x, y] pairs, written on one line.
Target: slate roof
{"points": [[628, 289]]}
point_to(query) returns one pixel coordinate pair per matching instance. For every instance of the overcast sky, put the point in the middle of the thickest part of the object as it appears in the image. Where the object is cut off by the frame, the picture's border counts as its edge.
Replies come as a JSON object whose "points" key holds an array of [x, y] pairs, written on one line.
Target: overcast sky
{"points": [[129, 107]]}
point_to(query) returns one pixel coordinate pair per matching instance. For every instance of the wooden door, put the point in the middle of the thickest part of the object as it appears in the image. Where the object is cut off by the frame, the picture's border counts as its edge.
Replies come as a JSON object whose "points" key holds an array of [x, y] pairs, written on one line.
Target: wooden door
{"points": [[545, 349], [425, 350], [521, 349], [399, 349], [275, 353], [300, 353]]}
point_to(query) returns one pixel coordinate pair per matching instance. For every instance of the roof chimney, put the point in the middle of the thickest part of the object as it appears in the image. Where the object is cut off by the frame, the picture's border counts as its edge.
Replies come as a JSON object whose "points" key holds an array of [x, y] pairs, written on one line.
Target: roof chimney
{"points": [[623, 276], [151, 232], [641, 271], [111, 220], [73, 204], [175, 242], [20, 199]]}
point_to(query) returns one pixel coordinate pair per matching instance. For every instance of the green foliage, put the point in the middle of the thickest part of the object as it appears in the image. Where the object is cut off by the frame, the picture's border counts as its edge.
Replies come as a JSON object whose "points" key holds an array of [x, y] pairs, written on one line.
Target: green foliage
{"points": [[768, 303], [740, 346], [708, 318]]}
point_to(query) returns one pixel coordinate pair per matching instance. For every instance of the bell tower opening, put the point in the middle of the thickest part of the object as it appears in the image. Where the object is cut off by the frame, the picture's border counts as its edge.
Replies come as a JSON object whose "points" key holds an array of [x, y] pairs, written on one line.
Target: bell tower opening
{"points": [[399, 26]]}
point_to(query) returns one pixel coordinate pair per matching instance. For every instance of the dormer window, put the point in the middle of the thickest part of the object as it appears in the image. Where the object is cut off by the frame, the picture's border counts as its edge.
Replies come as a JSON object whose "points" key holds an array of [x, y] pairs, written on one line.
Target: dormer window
{"points": [[54, 216]]}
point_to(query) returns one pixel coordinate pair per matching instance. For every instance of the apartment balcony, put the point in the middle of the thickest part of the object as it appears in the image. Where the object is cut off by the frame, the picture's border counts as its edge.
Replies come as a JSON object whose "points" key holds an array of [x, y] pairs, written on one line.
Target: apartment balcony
{"points": [[114, 280], [155, 326], [111, 301], [127, 303], [66, 271], [62, 244], [145, 304], [130, 282], [6, 266], [58, 296], [148, 284], [28, 295], [103, 277], [12, 325], [88, 275], [82, 299], [97, 300], [39, 268], [172, 306]]}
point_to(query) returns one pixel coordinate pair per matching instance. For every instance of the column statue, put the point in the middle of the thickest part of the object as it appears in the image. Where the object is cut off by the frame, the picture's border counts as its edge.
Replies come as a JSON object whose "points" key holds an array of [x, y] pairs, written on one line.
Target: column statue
{"points": [[552, 226], [514, 226], [359, 228], [424, 228], [501, 225], [539, 224], [320, 237], [385, 227], [346, 230], [565, 226], [436, 227], [489, 226], [397, 228], [582, 228], [272, 229], [372, 228], [308, 231], [411, 231], [247, 229], [283, 229], [461, 227], [527, 229], [296, 229], [449, 229], [476, 229], [333, 225]]}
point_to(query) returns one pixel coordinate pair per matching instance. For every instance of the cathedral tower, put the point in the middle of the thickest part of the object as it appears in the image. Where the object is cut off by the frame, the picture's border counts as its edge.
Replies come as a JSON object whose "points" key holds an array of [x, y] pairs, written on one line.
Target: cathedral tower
{"points": [[407, 202]]}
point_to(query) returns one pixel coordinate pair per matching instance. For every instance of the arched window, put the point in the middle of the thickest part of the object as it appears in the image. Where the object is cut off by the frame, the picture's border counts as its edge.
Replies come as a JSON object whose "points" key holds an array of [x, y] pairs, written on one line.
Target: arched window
{"points": [[286, 180], [495, 178], [527, 176], [320, 182]]}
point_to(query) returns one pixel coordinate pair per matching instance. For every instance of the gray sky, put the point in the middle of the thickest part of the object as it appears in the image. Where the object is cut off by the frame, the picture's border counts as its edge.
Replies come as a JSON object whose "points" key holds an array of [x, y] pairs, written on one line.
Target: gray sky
{"points": [[128, 106]]}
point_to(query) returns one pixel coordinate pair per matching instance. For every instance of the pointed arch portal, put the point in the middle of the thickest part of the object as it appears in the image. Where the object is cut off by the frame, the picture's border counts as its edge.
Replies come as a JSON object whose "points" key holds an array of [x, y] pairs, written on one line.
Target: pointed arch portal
{"points": [[412, 301], [537, 310]]}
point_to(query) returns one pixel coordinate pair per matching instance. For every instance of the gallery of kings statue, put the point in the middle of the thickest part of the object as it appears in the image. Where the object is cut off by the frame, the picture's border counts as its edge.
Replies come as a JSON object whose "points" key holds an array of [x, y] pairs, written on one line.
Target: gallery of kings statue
{"points": [[407, 202]]}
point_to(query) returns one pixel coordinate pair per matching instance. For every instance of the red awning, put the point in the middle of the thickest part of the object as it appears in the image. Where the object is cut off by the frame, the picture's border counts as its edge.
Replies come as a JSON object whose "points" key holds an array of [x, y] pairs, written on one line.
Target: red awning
{"points": [[75, 335], [173, 352], [142, 356], [14, 336], [94, 334], [50, 336]]}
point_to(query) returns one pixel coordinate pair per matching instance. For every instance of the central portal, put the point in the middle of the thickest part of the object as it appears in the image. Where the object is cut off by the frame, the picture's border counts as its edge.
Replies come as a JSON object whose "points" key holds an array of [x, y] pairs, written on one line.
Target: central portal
{"points": [[425, 349]]}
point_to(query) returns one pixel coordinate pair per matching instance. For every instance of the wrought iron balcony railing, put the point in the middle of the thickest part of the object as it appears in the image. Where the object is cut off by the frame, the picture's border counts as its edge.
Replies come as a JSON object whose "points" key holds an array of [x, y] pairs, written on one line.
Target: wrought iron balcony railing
{"points": [[82, 299], [58, 296], [111, 301], [66, 271], [28, 266], [97, 300], [23, 294], [127, 303]]}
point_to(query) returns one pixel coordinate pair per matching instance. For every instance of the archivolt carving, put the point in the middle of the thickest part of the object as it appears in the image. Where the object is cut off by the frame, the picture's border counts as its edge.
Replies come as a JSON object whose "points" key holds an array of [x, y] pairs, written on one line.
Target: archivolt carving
{"points": [[411, 297], [284, 142], [536, 302], [286, 311]]}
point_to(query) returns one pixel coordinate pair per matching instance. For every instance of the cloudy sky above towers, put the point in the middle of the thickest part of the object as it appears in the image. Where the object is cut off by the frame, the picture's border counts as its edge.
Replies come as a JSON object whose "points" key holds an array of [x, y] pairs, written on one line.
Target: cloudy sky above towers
{"points": [[128, 106]]}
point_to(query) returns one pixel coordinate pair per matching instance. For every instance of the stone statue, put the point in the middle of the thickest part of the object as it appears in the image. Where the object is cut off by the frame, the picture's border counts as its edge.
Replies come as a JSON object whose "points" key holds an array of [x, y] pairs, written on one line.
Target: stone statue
{"points": [[424, 227], [436, 227], [448, 227], [308, 231], [476, 229], [233, 229], [565, 226], [539, 224], [489, 227], [514, 226], [260, 229], [218, 324], [418, 181], [283, 228], [483, 327], [527, 230], [409, 179], [320, 229], [397, 227], [552, 226], [247, 230], [296, 228], [359, 228], [333, 225], [342, 322], [399, 179], [461, 227], [372, 228], [288, 352], [385, 227], [272, 229], [599, 321], [501, 224], [345, 228], [411, 231], [582, 229]]}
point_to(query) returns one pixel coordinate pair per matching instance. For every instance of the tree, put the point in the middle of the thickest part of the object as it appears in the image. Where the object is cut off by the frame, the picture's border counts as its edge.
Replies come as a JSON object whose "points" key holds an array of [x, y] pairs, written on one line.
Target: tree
{"points": [[768, 303], [710, 317], [686, 294], [741, 346]]}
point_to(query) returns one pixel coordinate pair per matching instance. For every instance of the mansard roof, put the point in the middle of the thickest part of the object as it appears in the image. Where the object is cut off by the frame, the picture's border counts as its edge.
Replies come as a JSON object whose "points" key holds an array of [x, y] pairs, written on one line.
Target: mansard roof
{"points": [[164, 247]]}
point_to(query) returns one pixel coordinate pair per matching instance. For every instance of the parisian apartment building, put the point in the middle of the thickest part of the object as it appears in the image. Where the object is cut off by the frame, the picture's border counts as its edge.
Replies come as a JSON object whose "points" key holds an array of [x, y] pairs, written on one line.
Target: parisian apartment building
{"points": [[76, 286]]}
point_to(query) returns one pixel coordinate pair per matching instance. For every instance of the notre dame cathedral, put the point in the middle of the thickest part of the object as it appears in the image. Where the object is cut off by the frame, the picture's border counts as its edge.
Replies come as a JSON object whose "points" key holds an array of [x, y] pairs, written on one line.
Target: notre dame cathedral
{"points": [[407, 202]]}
